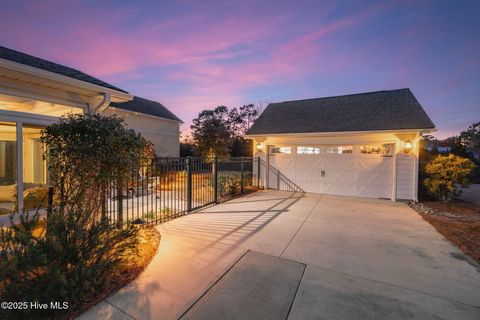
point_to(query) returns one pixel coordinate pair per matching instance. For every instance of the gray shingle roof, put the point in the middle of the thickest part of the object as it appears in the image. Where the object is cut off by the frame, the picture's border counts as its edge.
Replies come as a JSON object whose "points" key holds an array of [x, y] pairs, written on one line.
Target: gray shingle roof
{"points": [[147, 107], [380, 110], [23, 58]]}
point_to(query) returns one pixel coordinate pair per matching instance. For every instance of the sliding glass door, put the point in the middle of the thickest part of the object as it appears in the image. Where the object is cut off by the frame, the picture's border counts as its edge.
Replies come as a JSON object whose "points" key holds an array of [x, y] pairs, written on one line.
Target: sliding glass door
{"points": [[8, 167], [23, 173], [34, 170]]}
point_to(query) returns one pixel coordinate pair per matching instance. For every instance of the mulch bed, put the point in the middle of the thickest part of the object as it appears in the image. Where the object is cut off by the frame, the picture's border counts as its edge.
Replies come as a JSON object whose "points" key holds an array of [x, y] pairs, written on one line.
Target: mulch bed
{"points": [[130, 269], [459, 222]]}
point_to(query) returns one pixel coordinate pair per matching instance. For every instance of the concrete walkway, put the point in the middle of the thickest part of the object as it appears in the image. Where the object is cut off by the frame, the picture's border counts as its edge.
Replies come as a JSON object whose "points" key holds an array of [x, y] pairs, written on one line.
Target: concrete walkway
{"points": [[364, 259]]}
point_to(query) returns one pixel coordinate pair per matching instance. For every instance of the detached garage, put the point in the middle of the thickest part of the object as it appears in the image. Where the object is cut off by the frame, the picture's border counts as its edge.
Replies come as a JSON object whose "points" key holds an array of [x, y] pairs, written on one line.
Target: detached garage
{"points": [[363, 145]]}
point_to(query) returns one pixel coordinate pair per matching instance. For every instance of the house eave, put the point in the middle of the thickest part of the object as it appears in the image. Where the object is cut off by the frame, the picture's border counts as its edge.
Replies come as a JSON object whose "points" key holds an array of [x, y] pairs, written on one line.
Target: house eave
{"points": [[117, 96], [342, 133]]}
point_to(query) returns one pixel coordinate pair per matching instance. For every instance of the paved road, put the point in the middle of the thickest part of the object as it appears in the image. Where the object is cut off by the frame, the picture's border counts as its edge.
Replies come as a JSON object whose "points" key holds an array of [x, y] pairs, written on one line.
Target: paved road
{"points": [[363, 258]]}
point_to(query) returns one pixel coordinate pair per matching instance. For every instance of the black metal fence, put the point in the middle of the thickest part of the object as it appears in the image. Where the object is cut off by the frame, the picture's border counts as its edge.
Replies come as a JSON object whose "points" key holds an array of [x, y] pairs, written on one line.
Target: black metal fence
{"points": [[167, 188]]}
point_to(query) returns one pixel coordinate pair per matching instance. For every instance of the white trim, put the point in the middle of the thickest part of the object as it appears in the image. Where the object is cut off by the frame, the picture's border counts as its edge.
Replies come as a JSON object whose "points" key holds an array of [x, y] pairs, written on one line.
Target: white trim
{"points": [[19, 167], [334, 133], [25, 117], [394, 173], [267, 167], [15, 66], [416, 163]]}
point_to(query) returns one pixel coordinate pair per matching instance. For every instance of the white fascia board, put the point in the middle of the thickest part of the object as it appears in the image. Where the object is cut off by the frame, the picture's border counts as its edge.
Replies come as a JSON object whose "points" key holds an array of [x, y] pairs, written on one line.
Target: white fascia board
{"points": [[342, 133], [25, 117], [94, 88]]}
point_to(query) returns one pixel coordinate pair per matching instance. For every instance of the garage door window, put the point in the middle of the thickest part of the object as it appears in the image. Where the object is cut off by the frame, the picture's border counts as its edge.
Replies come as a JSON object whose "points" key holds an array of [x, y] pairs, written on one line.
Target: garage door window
{"points": [[307, 150], [383, 150], [340, 149], [281, 150]]}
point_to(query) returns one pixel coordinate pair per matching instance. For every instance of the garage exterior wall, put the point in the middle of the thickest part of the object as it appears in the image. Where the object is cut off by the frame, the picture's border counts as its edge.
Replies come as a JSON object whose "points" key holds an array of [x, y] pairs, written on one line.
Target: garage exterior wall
{"points": [[163, 133], [404, 179]]}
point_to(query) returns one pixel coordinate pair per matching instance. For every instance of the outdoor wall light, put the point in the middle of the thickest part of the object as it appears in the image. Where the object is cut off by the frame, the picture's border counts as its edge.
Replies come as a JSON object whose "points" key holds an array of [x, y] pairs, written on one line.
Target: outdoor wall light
{"points": [[407, 147], [259, 147]]}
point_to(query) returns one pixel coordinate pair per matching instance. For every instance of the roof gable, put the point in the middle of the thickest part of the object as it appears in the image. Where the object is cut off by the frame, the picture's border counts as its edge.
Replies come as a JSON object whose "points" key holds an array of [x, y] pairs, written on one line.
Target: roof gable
{"points": [[380, 110], [146, 106], [28, 60]]}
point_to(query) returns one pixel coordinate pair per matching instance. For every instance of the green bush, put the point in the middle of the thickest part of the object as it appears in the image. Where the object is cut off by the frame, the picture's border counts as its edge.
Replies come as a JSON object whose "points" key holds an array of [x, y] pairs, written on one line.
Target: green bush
{"points": [[446, 174], [71, 260]]}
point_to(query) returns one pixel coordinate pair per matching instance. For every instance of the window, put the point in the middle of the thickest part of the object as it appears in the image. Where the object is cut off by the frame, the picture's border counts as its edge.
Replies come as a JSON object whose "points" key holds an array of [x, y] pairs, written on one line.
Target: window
{"points": [[308, 150], [8, 154], [277, 150], [376, 149], [340, 149]]}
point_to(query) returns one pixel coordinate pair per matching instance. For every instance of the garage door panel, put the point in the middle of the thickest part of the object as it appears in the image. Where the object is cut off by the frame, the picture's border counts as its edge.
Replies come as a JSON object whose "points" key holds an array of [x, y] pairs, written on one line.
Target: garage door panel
{"points": [[374, 192], [352, 174], [338, 188]]}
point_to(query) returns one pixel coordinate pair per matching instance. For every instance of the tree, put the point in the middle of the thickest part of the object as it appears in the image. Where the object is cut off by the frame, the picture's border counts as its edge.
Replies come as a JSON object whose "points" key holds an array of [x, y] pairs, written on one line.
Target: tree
{"points": [[240, 121], [471, 137], [457, 147], [445, 174], [220, 132], [211, 132]]}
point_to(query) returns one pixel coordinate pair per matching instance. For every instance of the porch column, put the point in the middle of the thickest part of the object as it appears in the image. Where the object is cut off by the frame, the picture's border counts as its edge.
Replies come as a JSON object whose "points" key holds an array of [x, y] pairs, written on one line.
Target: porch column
{"points": [[396, 149], [19, 167], [267, 167]]}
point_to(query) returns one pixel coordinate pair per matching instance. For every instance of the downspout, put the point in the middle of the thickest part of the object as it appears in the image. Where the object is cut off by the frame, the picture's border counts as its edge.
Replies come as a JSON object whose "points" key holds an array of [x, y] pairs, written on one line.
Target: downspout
{"points": [[107, 98]]}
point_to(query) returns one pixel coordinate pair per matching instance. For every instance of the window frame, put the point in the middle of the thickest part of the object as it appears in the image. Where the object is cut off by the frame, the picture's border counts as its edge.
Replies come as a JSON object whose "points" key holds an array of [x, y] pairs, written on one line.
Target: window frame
{"points": [[314, 148], [339, 147], [274, 148], [388, 146]]}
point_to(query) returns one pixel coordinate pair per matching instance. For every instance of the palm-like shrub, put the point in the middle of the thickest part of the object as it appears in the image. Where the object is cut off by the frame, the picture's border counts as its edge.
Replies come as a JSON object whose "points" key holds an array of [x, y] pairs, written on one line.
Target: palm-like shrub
{"points": [[72, 259], [446, 174]]}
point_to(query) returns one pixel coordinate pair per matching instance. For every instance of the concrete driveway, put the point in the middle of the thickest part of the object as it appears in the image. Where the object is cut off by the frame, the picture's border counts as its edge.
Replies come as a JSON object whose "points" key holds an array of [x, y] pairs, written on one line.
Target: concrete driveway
{"points": [[358, 258]]}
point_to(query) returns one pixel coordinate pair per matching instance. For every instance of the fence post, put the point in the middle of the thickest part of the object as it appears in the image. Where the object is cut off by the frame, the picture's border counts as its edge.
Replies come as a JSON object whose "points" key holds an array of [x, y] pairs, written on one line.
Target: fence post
{"points": [[189, 184], [278, 180], [120, 202], [104, 202], [49, 209], [49, 202], [215, 177], [241, 175], [258, 172]]}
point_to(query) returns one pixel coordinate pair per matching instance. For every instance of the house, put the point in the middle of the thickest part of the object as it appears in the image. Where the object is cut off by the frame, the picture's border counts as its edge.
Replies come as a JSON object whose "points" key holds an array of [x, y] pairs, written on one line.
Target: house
{"points": [[363, 145], [35, 92]]}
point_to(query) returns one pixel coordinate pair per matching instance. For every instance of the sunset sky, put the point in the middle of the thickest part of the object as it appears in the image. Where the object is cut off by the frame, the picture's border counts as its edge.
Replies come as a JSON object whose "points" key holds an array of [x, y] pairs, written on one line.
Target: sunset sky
{"points": [[194, 55]]}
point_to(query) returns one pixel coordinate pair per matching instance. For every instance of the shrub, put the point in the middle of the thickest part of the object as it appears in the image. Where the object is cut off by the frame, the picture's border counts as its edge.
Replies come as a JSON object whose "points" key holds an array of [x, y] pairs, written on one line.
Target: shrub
{"points": [[444, 175], [72, 259]]}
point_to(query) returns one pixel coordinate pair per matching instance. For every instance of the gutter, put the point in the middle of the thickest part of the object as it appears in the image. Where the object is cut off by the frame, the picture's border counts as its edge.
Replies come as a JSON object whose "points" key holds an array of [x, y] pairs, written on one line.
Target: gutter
{"points": [[107, 98]]}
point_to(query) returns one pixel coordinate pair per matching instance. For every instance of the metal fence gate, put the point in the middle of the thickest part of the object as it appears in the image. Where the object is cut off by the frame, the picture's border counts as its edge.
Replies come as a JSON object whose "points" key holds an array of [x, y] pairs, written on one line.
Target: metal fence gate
{"points": [[167, 188]]}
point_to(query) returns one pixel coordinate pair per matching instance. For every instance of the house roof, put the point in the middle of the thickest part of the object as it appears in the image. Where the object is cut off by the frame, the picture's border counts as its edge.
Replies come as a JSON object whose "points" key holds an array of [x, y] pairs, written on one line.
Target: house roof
{"points": [[26, 59], [145, 106], [372, 111], [138, 104]]}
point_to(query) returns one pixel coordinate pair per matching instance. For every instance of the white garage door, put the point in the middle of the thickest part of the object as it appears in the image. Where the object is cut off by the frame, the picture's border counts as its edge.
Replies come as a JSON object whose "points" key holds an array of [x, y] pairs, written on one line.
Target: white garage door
{"points": [[349, 170]]}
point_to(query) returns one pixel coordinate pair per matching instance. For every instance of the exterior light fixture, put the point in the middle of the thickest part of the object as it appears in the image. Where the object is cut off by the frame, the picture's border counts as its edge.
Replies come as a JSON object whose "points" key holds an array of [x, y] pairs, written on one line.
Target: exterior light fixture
{"points": [[259, 147], [407, 147]]}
